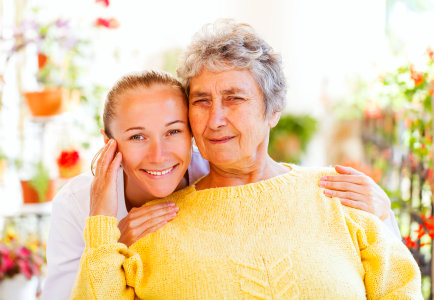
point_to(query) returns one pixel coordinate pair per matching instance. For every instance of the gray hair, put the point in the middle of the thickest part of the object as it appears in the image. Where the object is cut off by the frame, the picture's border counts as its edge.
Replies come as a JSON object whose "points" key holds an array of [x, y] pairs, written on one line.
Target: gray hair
{"points": [[226, 44]]}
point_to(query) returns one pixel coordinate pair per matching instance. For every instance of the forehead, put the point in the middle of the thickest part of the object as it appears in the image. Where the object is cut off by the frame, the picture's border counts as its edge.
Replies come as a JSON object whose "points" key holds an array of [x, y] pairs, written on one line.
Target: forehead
{"points": [[148, 103], [239, 80]]}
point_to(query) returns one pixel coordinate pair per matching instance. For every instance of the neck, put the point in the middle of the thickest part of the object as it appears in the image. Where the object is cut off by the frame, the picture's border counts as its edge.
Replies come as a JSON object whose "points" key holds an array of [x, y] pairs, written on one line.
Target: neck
{"points": [[256, 170]]}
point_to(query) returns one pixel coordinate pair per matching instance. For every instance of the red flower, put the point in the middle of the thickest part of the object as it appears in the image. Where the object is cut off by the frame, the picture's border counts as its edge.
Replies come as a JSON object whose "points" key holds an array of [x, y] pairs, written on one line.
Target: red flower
{"points": [[371, 109], [111, 23], [429, 224], [409, 242], [430, 53], [420, 232], [42, 60], [106, 3], [416, 76], [68, 158], [429, 173]]}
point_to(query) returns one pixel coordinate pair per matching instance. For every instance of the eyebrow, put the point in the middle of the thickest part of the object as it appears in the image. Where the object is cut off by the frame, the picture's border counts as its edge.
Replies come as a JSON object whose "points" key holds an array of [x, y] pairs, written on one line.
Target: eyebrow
{"points": [[232, 91], [143, 128], [229, 91]]}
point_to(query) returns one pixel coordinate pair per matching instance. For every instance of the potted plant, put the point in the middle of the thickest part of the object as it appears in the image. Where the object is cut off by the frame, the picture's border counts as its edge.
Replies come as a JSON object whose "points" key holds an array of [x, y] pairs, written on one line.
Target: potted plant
{"points": [[69, 163], [19, 268], [40, 188], [60, 64], [60, 56]]}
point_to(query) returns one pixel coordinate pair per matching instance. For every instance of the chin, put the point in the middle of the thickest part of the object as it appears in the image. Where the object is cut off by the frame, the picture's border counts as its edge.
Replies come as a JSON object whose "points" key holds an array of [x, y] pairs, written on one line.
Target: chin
{"points": [[162, 193], [165, 189]]}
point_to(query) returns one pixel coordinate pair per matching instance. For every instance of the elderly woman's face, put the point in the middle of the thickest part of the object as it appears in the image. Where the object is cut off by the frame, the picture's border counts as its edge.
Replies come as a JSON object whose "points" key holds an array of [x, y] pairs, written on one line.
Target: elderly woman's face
{"points": [[226, 114]]}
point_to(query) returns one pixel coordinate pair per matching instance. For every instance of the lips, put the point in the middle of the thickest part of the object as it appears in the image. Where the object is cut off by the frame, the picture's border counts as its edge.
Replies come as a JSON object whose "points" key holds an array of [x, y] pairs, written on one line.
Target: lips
{"points": [[160, 172], [221, 140]]}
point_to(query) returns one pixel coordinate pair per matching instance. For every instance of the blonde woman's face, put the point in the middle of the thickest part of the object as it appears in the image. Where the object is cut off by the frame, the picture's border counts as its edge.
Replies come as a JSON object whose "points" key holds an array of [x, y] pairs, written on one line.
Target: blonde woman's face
{"points": [[151, 127]]}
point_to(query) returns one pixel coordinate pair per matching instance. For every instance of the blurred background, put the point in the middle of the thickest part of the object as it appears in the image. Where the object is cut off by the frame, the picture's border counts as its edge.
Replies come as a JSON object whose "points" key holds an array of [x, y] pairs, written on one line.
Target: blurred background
{"points": [[361, 83]]}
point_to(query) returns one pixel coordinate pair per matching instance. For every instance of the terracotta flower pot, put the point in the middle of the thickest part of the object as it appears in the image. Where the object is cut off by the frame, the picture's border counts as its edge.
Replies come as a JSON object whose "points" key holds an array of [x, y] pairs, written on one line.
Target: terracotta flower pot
{"points": [[31, 196], [50, 102], [45, 103], [70, 171]]}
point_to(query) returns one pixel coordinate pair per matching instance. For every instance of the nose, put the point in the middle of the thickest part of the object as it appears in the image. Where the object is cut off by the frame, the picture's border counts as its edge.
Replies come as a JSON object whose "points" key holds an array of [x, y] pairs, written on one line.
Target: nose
{"points": [[217, 116], [156, 152]]}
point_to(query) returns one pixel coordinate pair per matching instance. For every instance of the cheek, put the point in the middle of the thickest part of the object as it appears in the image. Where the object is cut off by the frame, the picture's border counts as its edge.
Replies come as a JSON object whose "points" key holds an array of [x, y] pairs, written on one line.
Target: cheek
{"points": [[196, 120], [182, 147], [131, 155]]}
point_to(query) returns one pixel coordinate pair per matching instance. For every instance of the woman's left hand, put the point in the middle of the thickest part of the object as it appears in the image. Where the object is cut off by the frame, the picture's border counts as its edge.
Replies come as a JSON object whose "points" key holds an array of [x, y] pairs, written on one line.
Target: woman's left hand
{"points": [[357, 190]]}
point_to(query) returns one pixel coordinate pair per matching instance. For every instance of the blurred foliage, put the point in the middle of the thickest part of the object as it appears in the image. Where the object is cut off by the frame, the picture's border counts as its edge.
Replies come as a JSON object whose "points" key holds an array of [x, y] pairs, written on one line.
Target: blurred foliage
{"points": [[40, 181], [396, 111], [290, 137]]}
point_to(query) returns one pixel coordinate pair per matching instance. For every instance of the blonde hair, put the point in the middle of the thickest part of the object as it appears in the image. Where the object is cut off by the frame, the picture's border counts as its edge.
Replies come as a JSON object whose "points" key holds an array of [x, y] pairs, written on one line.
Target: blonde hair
{"points": [[127, 83]]}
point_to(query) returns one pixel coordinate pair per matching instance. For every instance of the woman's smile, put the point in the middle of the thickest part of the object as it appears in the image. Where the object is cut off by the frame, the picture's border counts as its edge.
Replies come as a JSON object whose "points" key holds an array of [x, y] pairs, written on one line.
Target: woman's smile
{"points": [[160, 173]]}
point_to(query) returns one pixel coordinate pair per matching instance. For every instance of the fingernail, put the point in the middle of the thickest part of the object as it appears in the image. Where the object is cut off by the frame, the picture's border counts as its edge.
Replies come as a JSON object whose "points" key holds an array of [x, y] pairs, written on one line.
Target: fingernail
{"points": [[322, 183], [323, 178], [327, 193], [172, 215], [171, 204], [176, 208]]}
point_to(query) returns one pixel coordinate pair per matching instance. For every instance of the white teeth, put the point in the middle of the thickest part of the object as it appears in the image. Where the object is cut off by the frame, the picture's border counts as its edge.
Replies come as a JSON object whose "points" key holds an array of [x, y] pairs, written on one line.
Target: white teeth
{"points": [[158, 173]]}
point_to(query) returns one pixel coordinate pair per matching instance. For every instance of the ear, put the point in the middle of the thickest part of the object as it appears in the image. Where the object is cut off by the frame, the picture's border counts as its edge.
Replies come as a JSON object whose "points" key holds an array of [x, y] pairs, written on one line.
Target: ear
{"points": [[274, 119], [106, 138]]}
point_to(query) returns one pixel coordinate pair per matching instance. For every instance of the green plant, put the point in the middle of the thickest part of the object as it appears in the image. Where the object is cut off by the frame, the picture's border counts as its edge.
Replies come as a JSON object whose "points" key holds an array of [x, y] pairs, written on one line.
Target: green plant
{"points": [[397, 117], [61, 53], [40, 181], [290, 137]]}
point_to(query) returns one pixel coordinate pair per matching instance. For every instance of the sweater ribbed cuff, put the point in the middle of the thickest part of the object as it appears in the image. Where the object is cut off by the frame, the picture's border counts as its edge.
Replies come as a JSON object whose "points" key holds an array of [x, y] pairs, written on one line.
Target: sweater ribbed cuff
{"points": [[101, 230]]}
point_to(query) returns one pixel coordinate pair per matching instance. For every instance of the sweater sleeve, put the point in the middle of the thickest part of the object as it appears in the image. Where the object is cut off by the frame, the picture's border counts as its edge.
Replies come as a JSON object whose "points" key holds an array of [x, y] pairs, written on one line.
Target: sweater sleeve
{"points": [[108, 269], [390, 270]]}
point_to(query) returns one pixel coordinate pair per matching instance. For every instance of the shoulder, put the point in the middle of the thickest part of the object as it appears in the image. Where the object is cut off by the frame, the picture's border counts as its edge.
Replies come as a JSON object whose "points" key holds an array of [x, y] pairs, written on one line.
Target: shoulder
{"points": [[313, 171], [310, 176], [75, 194], [198, 166]]}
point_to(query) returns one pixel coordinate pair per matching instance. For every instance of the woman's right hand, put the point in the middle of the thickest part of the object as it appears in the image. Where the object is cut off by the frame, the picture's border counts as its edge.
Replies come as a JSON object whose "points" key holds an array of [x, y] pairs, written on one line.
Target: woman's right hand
{"points": [[103, 192], [144, 220]]}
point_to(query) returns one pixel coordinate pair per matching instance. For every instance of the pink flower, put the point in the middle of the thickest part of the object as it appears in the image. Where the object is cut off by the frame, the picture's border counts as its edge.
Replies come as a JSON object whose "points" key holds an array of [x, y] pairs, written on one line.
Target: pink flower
{"points": [[111, 23], [24, 252], [25, 268], [6, 263], [106, 3]]}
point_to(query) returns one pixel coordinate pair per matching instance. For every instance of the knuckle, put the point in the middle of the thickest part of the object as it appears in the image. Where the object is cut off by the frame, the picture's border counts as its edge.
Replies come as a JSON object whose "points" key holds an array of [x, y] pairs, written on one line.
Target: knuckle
{"points": [[364, 180]]}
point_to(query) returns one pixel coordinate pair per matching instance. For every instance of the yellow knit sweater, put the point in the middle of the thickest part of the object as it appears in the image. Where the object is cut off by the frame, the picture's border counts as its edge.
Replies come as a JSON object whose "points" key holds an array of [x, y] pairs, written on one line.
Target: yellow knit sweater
{"points": [[280, 238]]}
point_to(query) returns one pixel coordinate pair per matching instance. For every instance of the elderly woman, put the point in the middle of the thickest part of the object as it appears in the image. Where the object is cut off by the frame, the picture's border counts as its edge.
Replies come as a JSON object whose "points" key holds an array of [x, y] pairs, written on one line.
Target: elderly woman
{"points": [[252, 227]]}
